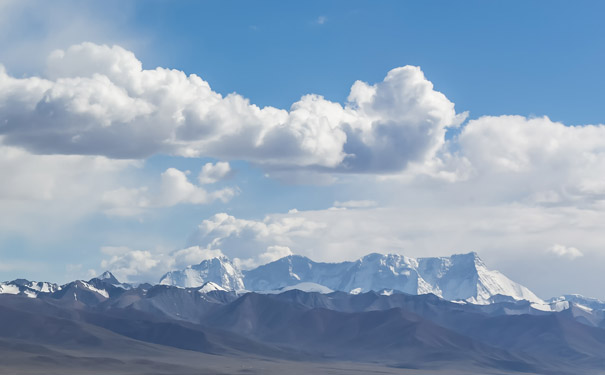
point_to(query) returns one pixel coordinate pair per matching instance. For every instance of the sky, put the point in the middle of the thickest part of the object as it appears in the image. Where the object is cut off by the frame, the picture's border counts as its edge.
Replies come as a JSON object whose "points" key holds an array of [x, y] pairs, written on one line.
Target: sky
{"points": [[145, 136]]}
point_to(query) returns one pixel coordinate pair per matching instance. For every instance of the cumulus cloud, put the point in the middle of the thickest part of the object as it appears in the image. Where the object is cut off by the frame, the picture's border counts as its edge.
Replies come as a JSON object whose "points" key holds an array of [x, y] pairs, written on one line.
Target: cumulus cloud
{"points": [[133, 265], [174, 188], [520, 144], [191, 255], [248, 243], [212, 173], [97, 99], [254, 242], [565, 251], [534, 160], [128, 264]]}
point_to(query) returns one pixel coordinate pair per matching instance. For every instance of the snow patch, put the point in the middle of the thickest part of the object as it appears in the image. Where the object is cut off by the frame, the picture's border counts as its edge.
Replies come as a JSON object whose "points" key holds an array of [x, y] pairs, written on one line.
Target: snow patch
{"points": [[8, 289], [92, 288]]}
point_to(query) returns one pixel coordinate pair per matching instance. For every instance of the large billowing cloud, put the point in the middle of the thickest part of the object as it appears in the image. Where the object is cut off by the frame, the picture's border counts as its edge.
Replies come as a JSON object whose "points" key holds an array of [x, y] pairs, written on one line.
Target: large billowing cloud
{"points": [[98, 100]]}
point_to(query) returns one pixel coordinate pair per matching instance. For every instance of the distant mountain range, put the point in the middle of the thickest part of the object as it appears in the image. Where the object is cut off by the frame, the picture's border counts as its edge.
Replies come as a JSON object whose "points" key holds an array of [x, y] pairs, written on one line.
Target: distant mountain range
{"points": [[461, 277], [381, 313], [62, 329]]}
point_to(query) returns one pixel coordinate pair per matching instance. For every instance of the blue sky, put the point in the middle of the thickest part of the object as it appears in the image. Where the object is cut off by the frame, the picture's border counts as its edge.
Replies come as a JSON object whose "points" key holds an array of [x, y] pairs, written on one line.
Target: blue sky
{"points": [[522, 190]]}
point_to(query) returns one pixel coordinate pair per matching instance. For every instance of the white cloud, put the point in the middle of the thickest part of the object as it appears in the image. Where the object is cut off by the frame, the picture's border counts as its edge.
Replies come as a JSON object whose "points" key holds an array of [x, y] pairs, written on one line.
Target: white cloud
{"points": [[98, 100], [125, 202], [44, 194], [130, 265], [565, 251], [60, 23], [355, 204], [509, 237], [191, 255], [534, 160], [174, 188], [520, 144], [250, 239], [272, 253], [321, 20], [30, 177], [505, 186], [212, 173]]}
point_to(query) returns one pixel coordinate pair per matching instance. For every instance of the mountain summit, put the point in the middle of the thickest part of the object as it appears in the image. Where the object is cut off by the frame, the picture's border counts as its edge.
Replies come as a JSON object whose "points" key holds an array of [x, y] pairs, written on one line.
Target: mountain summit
{"points": [[457, 277], [107, 277], [220, 271]]}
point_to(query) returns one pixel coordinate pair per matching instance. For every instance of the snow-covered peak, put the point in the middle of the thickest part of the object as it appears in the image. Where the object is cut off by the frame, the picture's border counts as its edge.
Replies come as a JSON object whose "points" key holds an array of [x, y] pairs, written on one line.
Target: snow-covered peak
{"points": [[37, 286], [460, 277], [466, 277], [108, 277], [27, 288], [219, 270]]}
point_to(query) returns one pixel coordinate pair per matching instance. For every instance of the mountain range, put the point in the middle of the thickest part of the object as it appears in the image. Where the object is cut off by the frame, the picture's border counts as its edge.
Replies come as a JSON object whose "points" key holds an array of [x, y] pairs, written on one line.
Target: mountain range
{"points": [[460, 277], [379, 314]]}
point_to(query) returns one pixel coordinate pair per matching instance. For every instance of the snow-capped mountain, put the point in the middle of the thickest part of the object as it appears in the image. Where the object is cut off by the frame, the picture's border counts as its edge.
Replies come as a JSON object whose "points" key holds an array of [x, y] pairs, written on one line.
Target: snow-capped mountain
{"points": [[218, 270], [108, 277], [305, 318], [109, 283], [458, 277], [102, 286], [27, 288]]}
